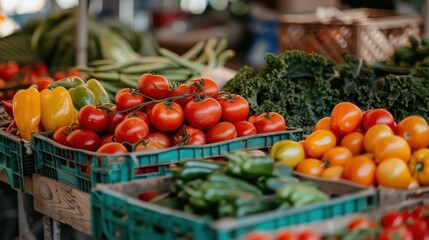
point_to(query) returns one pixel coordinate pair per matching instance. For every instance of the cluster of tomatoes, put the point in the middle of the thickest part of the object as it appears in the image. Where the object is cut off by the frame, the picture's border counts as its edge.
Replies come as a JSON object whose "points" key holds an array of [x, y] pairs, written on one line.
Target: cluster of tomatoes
{"points": [[156, 116], [394, 224], [14, 76], [368, 148]]}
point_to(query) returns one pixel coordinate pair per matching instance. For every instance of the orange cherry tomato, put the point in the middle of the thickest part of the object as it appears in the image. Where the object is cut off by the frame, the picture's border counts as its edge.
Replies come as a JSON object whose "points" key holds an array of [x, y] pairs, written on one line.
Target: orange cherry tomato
{"points": [[415, 130], [337, 156], [325, 123], [360, 169], [333, 172], [311, 166], [318, 142], [354, 142], [392, 146], [374, 134], [393, 172], [346, 117]]}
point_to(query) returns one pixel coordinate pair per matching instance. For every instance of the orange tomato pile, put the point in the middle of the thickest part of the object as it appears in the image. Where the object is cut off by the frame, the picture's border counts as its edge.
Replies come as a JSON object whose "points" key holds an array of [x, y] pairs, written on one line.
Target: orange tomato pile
{"points": [[368, 148]]}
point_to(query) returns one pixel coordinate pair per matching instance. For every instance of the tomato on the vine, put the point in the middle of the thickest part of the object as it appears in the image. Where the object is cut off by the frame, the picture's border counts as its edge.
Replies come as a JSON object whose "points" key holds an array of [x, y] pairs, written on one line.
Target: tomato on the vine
{"points": [[60, 135], [346, 117], [161, 138], [126, 98], [252, 118], [208, 86], [112, 148], [391, 233], [166, 116], [270, 122], [106, 139], [245, 128], [181, 90], [203, 114], [378, 116], [114, 119], [93, 118], [83, 139], [191, 136], [153, 86], [234, 108], [392, 219], [139, 114], [221, 132], [131, 130], [148, 146]]}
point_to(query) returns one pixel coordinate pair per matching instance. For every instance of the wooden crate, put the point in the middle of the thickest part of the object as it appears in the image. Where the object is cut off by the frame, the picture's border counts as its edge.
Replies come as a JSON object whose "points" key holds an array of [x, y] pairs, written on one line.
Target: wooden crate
{"points": [[372, 34]]}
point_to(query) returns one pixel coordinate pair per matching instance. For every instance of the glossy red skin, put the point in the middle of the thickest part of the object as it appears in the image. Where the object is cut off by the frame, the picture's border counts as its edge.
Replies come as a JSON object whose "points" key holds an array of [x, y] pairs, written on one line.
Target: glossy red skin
{"points": [[394, 233], [209, 86], [125, 99], [421, 212], [221, 132], [234, 108], [148, 146], [252, 118], [286, 235], [93, 118], [83, 139], [143, 116], [245, 128], [106, 139], [392, 219], [378, 116], [147, 196], [271, 122], [203, 114], [60, 135], [360, 223], [153, 86], [148, 108], [166, 118], [161, 138], [195, 136], [131, 130], [342, 114], [114, 119], [9, 70], [179, 91], [112, 148], [309, 235], [419, 229]]}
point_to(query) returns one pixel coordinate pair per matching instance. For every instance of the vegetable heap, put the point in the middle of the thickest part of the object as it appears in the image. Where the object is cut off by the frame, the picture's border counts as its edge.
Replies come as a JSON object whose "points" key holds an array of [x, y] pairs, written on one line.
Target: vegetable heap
{"points": [[304, 87]]}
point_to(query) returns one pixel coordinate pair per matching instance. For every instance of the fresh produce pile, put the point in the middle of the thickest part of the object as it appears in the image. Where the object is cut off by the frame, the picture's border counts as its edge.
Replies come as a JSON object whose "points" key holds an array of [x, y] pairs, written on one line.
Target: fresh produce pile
{"points": [[115, 75], [392, 224], [152, 117], [304, 87], [368, 148], [414, 55], [247, 184]]}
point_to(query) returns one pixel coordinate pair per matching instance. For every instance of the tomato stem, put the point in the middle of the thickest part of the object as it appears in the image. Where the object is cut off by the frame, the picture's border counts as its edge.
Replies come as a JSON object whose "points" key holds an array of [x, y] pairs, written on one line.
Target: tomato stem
{"points": [[418, 167]]}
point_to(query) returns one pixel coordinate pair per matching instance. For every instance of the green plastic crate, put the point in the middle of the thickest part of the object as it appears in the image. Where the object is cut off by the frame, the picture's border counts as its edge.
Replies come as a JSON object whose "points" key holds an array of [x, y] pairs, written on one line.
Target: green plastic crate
{"points": [[117, 213], [16, 159], [70, 166]]}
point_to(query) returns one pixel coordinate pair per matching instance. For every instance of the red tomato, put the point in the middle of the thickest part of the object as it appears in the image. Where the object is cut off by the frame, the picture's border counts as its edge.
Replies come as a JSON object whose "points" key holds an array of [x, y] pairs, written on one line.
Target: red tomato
{"points": [[309, 235], [114, 119], [43, 83], [234, 108], [378, 116], [112, 148], [244, 128], [258, 236], [346, 117], [166, 116], [59, 75], [60, 135], [143, 116], [392, 219], [106, 139], [419, 230], [180, 91], [209, 86], [148, 146], [221, 132], [153, 86], [252, 118], [270, 122], [286, 235], [395, 233], [126, 99], [192, 136], [10, 70], [147, 196], [83, 139], [92, 118], [73, 72], [203, 114], [421, 212], [408, 217], [161, 138], [148, 108], [131, 130], [360, 223]]}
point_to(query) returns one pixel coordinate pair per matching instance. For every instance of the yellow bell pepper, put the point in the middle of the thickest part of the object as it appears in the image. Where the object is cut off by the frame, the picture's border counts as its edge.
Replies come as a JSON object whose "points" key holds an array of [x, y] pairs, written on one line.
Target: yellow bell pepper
{"points": [[57, 108], [26, 111], [419, 165]]}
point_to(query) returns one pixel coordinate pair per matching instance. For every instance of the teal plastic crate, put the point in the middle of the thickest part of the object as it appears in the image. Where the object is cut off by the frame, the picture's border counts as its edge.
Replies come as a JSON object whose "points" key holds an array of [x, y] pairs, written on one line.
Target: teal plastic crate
{"points": [[82, 169], [16, 159], [117, 213]]}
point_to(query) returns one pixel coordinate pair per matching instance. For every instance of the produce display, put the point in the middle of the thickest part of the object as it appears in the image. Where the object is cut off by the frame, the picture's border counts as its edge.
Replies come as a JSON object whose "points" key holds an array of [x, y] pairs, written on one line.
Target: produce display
{"points": [[407, 224], [304, 87], [368, 148], [413, 55]]}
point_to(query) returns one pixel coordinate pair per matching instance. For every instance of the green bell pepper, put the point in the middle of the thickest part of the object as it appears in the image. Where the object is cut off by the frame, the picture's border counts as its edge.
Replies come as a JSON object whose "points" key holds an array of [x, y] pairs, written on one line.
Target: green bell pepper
{"points": [[82, 96], [101, 95], [67, 83]]}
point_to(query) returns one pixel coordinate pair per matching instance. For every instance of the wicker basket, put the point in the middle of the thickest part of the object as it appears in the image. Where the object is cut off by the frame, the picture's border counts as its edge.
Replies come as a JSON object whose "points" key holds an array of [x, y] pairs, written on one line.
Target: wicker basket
{"points": [[371, 35]]}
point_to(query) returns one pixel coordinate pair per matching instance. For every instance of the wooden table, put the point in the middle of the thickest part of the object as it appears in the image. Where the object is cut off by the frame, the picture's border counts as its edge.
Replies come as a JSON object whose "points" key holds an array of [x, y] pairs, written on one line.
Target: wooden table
{"points": [[59, 203]]}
